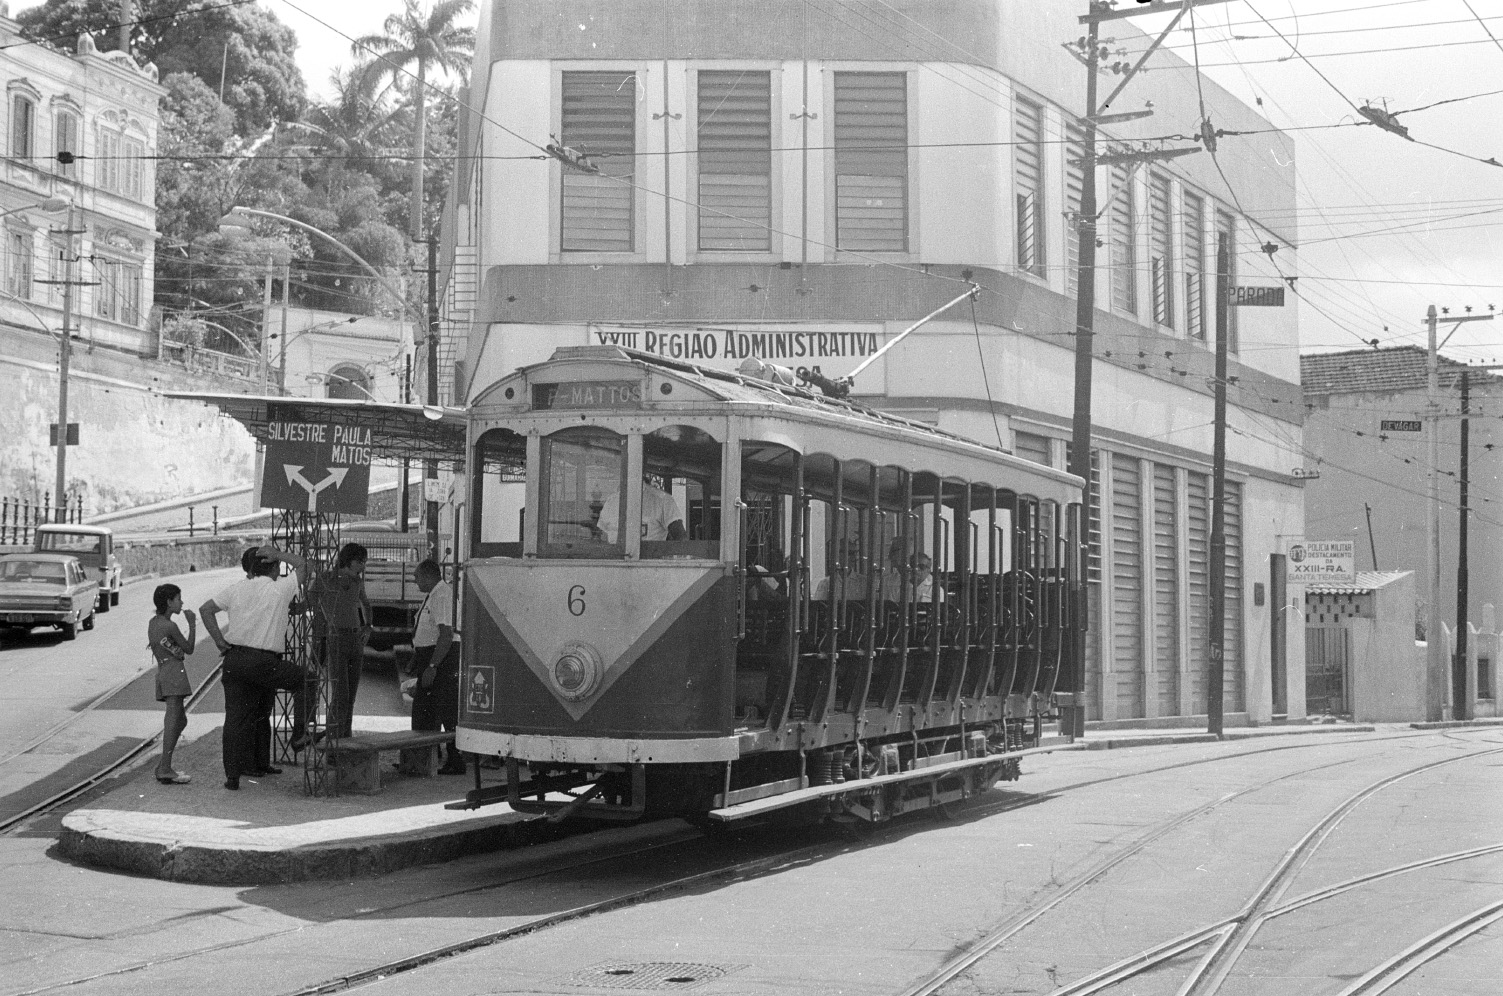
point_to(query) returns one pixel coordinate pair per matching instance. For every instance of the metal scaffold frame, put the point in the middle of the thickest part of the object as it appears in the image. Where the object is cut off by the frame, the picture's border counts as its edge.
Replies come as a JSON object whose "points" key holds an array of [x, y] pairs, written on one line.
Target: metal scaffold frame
{"points": [[314, 536]]}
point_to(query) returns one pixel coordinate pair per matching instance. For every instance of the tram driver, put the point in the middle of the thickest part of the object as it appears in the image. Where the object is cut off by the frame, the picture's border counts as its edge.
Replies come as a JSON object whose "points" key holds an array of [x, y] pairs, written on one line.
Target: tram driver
{"points": [[661, 518]]}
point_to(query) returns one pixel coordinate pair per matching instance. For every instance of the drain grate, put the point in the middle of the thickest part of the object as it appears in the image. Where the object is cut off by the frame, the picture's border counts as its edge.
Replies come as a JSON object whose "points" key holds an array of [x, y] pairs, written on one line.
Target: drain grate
{"points": [[659, 976]]}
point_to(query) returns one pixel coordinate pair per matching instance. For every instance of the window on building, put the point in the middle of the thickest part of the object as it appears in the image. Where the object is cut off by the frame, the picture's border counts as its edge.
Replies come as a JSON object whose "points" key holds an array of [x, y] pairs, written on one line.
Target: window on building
{"points": [[18, 263], [121, 163], [1195, 265], [735, 161], [23, 126], [65, 139], [871, 162], [1161, 250], [118, 296], [1226, 239], [1028, 184], [1030, 446], [1124, 224], [348, 381], [1075, 153], [599, 121]]}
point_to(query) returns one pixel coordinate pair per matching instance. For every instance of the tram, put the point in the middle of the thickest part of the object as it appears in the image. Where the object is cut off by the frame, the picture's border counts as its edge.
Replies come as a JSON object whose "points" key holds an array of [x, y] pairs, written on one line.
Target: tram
{"points": [[715, 594]]}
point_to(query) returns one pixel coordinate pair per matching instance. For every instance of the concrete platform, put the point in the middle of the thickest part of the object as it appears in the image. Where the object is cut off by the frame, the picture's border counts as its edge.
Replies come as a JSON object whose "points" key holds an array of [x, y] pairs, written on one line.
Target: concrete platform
{"points": [[271, 832]]}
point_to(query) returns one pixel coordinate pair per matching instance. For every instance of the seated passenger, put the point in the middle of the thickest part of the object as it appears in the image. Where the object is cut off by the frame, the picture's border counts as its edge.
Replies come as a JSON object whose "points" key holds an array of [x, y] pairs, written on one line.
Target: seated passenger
{"points": [[857, 584], [919, 572], [661, 518]]}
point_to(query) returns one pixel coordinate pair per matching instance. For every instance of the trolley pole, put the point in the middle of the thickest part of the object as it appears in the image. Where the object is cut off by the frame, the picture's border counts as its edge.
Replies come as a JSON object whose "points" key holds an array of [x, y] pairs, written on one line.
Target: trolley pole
{"points": [[1215, 667]]}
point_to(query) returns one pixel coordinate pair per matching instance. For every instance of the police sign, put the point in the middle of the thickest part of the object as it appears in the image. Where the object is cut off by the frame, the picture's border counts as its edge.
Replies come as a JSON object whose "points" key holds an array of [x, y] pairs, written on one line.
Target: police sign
{"points": [[1321, 560], [316, 466]]}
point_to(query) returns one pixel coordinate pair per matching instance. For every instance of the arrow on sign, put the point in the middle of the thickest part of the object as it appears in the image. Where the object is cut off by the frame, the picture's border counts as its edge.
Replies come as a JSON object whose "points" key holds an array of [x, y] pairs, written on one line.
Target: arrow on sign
{"points": [[295, 476]]}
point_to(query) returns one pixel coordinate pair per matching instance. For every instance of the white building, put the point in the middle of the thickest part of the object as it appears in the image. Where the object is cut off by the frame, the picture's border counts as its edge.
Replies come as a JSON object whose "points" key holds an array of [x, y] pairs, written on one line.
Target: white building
{"points": [[334, 355], [801, 182], [98, 111]]}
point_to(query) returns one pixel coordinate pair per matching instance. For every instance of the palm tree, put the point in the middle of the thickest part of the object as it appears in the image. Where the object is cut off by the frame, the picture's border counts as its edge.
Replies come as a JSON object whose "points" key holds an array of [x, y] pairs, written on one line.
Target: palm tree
{"points": [[431, 41], [355, 125]]}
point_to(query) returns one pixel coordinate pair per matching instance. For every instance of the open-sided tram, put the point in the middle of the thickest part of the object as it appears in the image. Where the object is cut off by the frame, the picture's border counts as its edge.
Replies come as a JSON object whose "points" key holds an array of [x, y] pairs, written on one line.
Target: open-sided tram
{"points": [[708, 594]]}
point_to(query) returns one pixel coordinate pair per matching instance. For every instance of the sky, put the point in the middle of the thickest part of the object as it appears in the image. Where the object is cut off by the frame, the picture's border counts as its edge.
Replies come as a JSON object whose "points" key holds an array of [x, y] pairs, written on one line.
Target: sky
{"points": [[1386, 228]]}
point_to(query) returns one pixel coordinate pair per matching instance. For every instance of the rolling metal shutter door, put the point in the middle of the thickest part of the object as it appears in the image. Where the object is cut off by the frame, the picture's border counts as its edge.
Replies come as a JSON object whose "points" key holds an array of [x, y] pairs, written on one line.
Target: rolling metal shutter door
{"points": [[599, 120], [1124, 215], [1075, 151], [1234, 678], [1028, 160], [1127, 585], [1198, 543], [735, 160], [1031, 447], [1165, 590], [1160, 250], [871, 161], [1195, 265]]}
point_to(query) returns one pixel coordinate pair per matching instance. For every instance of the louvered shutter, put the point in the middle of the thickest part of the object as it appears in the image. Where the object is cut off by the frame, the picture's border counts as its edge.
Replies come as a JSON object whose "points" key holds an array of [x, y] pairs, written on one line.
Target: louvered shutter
{"points": [[1031, 447], [1234, 681], [1166, 589], [1127, 584], [1124, 215], [599, 120], [1028, 174], [1198, 547], [871, 162], [735, 161], [1075, 150], [1195, 266], [1160, 250]]}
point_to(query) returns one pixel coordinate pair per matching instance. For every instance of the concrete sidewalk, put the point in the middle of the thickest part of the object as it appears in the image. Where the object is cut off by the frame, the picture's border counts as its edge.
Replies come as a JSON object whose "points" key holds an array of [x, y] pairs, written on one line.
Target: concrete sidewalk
{"points": [[270, 831]]}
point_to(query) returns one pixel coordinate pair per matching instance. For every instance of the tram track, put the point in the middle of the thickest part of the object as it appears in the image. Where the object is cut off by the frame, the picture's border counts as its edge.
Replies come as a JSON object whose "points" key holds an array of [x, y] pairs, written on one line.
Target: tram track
{"points": [[1229, 937]]}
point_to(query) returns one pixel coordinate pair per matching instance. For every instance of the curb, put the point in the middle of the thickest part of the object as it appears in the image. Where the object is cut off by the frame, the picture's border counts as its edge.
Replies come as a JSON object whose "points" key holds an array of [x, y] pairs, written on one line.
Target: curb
{"points": [[1251, 733], [1450, 724]]}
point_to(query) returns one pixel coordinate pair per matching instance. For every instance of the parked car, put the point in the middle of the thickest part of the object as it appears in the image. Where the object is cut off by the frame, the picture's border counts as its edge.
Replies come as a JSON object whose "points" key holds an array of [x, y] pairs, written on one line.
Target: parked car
{"points": [[46, 589], [94, 546]]}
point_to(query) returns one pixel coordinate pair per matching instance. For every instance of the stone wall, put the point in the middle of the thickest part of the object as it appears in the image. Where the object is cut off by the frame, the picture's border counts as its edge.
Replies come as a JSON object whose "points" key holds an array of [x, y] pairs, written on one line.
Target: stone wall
{"points": [[135, 446]]}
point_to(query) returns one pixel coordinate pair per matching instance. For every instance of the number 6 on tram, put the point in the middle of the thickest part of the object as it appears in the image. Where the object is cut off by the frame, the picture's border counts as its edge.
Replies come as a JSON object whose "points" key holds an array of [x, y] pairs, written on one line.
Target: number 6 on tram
{"points": [[698, 593]]}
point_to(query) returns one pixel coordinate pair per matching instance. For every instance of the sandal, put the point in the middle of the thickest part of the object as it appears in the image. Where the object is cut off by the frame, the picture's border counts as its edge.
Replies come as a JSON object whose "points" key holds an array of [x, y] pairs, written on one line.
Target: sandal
{"points": [[174, 779]]}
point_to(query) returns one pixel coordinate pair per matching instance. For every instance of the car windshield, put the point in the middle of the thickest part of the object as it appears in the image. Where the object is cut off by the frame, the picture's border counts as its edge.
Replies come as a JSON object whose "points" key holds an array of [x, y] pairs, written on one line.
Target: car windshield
{"points": [[35, 571], [70, 542]]}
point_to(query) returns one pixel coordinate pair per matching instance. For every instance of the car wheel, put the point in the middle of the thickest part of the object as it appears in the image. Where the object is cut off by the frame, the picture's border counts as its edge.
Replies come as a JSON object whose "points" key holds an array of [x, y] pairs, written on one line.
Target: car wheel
{"points": [[104, 601], [89, 622], [115, 597], [70, 631]]}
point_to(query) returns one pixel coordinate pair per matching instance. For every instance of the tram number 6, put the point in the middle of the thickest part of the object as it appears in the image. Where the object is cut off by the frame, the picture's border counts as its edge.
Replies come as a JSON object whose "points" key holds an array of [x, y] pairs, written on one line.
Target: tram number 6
{"points": [[576, 600]]}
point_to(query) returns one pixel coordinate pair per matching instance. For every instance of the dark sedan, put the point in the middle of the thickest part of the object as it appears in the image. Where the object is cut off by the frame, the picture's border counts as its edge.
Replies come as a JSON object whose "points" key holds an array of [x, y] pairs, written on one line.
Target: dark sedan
{"points": [[46, 589]]}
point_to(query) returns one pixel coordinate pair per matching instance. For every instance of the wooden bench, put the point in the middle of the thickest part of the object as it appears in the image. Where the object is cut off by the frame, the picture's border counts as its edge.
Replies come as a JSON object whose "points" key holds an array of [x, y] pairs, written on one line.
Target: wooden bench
{"points": [[357, 759]]}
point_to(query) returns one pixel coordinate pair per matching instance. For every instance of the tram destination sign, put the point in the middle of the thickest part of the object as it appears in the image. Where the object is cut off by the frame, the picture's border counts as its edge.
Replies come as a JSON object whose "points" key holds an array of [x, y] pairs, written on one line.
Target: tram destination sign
{"points": [[588, 394], [1321, 560], [316, 466], [1257, 297]]}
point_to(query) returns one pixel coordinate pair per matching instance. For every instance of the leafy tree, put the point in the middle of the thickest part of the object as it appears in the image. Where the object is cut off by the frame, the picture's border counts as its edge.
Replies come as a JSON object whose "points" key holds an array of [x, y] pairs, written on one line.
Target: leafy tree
{"points": [[246, 43], [431, 42]]}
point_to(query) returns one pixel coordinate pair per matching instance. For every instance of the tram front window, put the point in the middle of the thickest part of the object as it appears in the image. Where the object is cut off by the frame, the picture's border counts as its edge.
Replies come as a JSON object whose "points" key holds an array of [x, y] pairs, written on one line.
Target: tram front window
{"points": [[580, 493]]}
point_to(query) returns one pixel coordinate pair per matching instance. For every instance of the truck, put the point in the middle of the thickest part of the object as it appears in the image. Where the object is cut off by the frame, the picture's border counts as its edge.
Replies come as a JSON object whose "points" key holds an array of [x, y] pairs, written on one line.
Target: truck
{"points": [[93, 546]]}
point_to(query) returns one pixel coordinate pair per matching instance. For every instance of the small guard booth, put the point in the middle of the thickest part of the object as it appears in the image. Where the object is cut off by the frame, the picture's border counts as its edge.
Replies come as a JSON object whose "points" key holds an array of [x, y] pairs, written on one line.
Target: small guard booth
{"points": [[1361, 658]]}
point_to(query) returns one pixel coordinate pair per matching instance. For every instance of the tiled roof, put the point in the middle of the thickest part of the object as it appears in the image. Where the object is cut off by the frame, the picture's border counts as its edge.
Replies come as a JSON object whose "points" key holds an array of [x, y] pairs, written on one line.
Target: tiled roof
{"points": [[1378, 371], [1366, 581]]}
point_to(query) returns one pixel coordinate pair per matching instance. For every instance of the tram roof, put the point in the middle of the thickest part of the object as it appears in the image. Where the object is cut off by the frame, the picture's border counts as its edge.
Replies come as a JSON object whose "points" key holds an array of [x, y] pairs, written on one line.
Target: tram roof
{"points": [[734, 388], [416, 432]]}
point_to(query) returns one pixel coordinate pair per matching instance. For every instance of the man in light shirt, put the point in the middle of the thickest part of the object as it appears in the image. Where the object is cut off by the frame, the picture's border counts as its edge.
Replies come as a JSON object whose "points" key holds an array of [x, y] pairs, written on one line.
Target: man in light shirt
{"points": [[661, 517], [253, 642], [435, 661]]}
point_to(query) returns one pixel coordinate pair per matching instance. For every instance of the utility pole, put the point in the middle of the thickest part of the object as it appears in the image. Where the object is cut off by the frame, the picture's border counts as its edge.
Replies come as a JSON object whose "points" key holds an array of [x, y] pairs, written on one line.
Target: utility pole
{"points": [[65, 356], [1438, 705], [430, 467], [1215, 670], [1461, 708], [266, 328], [1085, 283], [282, 342]]}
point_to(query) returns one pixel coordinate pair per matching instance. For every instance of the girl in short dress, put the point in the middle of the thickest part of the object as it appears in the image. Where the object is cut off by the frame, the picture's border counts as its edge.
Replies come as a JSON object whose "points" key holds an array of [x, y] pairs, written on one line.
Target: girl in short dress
{"points": [[171, 649]]}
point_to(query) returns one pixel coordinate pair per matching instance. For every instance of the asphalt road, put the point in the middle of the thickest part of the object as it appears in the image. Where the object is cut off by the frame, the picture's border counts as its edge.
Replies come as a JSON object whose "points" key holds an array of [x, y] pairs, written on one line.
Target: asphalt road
{"points": [[1094, 858]]}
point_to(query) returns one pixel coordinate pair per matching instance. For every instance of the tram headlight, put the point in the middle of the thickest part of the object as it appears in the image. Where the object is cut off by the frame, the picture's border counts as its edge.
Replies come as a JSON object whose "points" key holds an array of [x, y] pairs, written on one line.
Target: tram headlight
{"points": [[576, 672]]}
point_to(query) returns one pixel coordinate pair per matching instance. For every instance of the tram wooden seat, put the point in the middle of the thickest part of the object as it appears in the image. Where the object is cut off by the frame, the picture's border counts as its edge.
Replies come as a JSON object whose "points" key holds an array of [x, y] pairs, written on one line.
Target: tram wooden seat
{"points": [[357, 759]]}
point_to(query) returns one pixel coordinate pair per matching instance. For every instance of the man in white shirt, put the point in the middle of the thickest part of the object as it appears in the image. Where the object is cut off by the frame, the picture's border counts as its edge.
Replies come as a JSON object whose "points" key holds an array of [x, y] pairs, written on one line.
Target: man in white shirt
{"points": [[253, 642], [661, 517], [435, 661]]}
